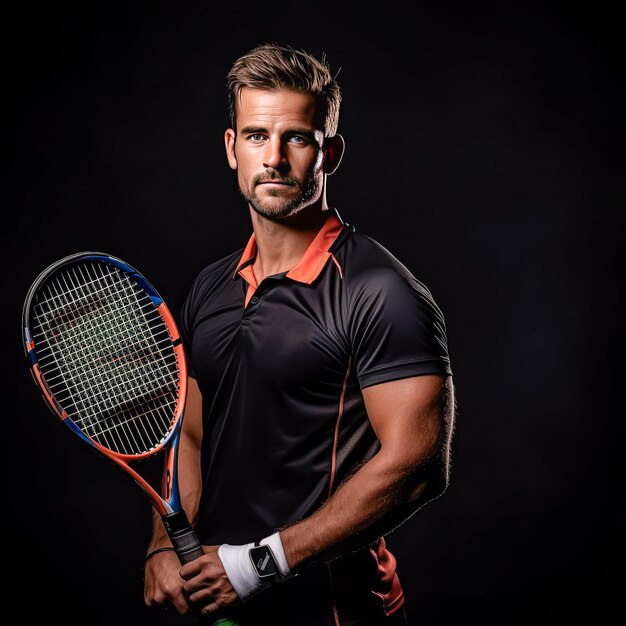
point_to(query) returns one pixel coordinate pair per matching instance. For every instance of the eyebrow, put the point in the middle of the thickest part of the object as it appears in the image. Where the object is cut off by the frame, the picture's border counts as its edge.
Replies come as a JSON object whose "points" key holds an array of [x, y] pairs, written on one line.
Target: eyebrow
{"points": [[251, 130]]}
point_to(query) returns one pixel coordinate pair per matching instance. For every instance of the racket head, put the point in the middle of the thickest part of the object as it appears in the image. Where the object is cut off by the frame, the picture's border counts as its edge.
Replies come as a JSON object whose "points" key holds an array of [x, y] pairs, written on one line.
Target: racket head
{"points": [[106, 353]]}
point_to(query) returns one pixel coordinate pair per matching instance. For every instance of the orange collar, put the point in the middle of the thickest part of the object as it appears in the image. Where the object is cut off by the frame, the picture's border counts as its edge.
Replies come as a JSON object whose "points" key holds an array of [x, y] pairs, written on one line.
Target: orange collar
{"points": [[310, 265]]}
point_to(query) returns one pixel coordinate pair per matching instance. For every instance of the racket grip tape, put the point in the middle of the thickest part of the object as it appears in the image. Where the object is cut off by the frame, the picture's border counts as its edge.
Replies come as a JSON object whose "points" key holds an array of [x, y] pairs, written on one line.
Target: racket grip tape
{"points": [[183, 537]]}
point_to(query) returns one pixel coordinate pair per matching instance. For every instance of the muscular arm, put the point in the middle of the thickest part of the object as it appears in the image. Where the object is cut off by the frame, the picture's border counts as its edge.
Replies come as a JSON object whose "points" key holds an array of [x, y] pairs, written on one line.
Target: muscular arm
{"points": [[413, 420]]}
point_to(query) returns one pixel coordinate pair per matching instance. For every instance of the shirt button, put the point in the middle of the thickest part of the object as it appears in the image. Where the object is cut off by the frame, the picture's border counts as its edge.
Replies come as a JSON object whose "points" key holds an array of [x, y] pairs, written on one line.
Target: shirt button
{"points": [[254, 300]]}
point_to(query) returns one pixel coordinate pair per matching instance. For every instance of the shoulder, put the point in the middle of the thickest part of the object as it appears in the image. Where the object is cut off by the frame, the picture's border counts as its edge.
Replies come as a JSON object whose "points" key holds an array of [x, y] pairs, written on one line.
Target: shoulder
{"points": [[393, 323], [371, 269], [364, 256]]}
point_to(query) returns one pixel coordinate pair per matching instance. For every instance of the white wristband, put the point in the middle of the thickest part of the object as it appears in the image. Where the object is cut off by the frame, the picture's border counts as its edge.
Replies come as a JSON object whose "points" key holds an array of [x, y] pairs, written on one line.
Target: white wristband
{"points": [[240, 571]]}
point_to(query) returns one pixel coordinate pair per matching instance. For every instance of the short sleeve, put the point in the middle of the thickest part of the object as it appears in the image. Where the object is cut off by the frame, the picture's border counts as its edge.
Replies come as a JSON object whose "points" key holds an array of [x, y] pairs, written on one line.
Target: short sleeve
{"points": [[396, 329]]}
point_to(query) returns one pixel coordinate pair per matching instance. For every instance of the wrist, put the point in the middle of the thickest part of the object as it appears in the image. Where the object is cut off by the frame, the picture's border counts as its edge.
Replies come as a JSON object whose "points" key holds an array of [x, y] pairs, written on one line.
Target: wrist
{"points": [[156, 551], [254, 567], [159, 541]]}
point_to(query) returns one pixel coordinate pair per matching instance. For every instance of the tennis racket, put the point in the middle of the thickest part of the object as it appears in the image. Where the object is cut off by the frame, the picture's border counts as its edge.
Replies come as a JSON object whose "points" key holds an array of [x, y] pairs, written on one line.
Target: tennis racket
{"points": [[105, 351]]}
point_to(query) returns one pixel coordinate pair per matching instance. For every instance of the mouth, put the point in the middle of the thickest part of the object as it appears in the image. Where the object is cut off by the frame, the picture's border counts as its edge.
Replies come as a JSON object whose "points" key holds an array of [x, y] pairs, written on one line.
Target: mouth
{"points": [[274, 188], [278, 183]]}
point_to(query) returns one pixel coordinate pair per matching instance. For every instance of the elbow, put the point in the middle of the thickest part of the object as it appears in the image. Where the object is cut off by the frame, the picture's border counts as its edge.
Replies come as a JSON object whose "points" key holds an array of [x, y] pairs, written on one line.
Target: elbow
{"points": [[428, 481]]}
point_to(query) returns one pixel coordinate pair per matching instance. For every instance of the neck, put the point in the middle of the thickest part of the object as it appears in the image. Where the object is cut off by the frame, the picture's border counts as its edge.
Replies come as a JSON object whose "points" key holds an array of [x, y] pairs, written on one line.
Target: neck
{"points": [[282, 243]]}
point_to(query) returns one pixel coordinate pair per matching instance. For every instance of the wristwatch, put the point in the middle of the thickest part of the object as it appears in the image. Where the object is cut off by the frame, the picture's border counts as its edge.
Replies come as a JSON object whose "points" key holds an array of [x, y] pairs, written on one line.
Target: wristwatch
{"points": [[264, 562]]}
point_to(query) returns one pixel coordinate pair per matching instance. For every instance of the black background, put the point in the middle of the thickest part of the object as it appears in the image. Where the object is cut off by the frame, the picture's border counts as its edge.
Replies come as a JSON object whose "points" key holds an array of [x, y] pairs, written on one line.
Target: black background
{"points": [[484, 145]]}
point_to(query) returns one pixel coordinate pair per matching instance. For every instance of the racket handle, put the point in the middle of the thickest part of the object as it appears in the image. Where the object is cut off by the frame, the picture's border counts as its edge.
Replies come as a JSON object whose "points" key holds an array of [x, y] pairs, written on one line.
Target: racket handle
{"points": [[182, 536]]}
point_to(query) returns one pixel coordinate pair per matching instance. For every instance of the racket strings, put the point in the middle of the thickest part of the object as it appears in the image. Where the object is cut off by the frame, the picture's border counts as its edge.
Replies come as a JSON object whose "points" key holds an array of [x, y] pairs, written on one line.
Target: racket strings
{"points": [[94, 427], [149, 385], [107, 356]]}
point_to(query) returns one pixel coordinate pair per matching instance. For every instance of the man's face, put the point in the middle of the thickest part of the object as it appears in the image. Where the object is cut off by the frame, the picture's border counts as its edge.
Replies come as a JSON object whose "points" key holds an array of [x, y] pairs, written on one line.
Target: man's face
{"points": [[277, 151]]}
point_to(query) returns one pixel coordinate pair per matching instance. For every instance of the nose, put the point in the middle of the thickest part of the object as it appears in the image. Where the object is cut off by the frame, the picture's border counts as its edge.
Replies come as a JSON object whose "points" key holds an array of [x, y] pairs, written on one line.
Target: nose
{"points": [[274, 156]]}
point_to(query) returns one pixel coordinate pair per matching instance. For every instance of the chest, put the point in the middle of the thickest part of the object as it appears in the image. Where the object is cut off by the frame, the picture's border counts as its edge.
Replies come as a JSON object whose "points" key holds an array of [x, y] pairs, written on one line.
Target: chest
{"points": [[290, 334]]}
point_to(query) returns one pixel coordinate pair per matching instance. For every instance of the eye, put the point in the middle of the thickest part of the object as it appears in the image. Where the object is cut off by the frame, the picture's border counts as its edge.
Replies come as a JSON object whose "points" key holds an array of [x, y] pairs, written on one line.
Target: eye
{"points": [[302, 140], [255, 137]]}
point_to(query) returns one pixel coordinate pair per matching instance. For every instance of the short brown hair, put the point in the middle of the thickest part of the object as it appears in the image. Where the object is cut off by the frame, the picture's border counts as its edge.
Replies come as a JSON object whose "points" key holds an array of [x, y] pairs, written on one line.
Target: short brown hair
{"points": [[270, 66]]}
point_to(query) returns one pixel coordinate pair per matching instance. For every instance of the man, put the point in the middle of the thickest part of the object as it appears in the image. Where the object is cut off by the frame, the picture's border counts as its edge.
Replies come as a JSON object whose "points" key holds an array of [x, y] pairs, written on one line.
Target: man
{"points": [[321, 401]]}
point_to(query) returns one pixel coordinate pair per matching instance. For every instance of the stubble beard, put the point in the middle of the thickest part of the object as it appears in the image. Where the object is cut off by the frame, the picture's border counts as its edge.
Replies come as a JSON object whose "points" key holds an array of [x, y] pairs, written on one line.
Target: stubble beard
{"points": [[308, 191]]}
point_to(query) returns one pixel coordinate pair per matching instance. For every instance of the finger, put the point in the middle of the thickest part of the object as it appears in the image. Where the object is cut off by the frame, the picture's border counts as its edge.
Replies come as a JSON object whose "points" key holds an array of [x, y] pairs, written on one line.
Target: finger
{"points": [[210, 608], [214, 595], [192, 569], [208, 577], [195, 584], [181, 604], [203, 596]]}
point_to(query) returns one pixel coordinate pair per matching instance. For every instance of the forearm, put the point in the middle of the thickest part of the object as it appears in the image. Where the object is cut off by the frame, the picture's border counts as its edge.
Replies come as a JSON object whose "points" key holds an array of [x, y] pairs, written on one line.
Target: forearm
{"points": [[413, 421], [376, 499]]}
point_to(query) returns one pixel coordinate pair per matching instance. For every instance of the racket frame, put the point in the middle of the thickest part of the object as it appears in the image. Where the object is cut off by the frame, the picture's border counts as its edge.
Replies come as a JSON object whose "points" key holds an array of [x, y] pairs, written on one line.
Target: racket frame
{"points": [[167, 503]]}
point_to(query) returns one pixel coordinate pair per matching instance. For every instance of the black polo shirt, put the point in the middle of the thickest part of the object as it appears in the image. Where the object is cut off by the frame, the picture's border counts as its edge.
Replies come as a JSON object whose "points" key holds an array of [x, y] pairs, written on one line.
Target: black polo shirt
{"points": [[281, 365]]}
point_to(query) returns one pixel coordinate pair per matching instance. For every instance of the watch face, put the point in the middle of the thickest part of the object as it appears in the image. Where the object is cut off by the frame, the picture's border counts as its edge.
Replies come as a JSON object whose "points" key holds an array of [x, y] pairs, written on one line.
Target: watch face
{"points": [[263, 561]]}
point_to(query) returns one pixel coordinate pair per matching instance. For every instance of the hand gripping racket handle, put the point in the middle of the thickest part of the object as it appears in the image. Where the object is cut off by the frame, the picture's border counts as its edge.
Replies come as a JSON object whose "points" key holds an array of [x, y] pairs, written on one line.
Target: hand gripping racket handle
{"points": [[182, 536], [187, 547]]}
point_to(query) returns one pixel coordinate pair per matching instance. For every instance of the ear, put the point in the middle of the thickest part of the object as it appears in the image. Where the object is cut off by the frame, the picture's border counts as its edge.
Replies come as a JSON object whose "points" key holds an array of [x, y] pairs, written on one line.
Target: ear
{"points": [[333, 153], [229, 142]]}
